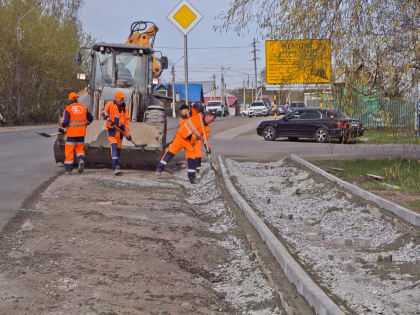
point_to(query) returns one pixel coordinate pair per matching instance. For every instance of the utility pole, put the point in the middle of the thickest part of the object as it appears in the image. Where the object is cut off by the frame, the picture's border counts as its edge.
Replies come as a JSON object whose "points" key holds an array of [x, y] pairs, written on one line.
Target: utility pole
{"points": [[244, 96], [222, 83], [173, 92], [255, 67], [213, 88], [186, 68]]}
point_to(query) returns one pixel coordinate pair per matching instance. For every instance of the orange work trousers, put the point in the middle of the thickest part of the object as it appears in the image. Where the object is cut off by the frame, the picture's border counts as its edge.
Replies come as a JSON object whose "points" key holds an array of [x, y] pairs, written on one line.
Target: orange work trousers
{"points": [[115, 139], [71, 147], [177, 145]]}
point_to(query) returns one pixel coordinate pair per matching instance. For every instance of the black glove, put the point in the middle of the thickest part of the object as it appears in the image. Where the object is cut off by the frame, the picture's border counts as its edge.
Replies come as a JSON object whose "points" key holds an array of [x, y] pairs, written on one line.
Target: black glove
{"points": [[208, 151], [60, 130], [111, 122], [129, 138], [189, 137]]}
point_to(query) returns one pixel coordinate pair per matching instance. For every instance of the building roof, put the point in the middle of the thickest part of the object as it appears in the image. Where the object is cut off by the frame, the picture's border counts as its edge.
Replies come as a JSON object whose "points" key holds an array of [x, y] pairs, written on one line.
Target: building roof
{"points": [[206, 85], [218, 93], [195, 91]]}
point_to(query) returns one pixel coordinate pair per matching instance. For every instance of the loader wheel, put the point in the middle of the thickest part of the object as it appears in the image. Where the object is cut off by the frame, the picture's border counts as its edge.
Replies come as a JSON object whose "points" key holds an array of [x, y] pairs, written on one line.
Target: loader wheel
{"points": [[157, 117]]}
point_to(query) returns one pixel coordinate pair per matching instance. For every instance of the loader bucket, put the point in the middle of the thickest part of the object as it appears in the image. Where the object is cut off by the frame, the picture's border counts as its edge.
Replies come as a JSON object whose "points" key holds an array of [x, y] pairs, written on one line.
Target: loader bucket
{"points": [[98, 149]]}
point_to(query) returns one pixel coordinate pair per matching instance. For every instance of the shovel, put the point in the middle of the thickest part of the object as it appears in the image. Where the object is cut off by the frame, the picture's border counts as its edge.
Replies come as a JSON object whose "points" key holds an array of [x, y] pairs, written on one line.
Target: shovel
{"points": [[207, 146], [47, 135], [135, 144]]}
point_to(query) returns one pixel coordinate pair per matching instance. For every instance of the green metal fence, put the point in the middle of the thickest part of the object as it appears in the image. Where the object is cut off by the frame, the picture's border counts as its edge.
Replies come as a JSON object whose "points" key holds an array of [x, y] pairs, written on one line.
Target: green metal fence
{"points": [[397, 114]]}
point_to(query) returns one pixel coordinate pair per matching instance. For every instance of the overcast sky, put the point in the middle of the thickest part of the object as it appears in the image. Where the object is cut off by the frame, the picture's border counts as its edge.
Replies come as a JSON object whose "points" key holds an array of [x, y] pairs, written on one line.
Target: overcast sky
{"points": [[110, 20]]}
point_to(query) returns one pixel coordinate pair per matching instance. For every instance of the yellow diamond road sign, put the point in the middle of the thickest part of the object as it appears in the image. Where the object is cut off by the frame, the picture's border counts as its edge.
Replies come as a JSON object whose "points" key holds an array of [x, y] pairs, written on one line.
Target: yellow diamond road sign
{"points": [[185, 17]]}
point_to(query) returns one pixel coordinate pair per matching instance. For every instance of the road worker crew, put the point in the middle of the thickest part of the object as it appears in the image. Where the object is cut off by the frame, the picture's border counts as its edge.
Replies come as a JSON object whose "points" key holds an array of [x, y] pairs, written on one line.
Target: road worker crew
{"points": [[184, 112], [186, 137], [76, 117], [116, 115], [198, 151]]}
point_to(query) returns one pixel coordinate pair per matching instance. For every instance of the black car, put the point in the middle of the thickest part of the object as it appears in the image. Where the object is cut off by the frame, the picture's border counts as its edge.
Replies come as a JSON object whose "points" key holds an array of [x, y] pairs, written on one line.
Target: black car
{"points": [[295, 105], [319, 124]]}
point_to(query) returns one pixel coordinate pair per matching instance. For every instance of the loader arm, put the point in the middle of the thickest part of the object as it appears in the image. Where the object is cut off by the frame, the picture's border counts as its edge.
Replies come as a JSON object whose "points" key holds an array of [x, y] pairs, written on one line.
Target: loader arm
{"points": [[145, 38]]}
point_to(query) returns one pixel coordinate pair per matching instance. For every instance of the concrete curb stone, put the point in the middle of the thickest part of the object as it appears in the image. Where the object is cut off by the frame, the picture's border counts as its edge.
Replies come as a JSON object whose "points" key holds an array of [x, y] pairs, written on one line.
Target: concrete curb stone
{"points": [[315, 296], [404, 213]]}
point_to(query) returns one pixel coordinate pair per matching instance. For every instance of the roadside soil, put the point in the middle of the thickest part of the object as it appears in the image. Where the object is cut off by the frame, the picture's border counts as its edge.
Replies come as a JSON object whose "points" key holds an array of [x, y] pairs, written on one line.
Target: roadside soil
{"points": [[136, 244], [399, 197]]}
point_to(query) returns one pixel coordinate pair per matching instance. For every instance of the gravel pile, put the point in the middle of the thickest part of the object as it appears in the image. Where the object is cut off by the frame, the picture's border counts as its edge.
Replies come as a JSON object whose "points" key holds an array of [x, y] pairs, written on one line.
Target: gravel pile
{"points": [[240, 281], [356, 253]]}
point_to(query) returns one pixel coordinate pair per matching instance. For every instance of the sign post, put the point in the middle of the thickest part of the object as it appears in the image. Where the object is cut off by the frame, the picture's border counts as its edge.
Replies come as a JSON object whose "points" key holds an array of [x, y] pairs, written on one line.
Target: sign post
{"points": [[275, 106], [185, 17]]}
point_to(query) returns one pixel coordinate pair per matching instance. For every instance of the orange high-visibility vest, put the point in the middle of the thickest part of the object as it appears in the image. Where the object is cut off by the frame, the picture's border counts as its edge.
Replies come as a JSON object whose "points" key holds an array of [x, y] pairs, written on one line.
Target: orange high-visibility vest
{"points": [[193, 126], [121, 119], [78, 121]]}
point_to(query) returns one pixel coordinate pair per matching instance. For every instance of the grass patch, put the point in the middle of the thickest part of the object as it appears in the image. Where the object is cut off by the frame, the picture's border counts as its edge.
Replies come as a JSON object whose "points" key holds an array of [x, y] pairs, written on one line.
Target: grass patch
{"points": [[389, 136], [402, 173], [414, 204]]}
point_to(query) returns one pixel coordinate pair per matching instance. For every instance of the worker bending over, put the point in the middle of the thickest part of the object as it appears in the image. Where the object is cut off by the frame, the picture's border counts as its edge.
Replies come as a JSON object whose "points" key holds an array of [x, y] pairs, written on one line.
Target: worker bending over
{"points": [[184, 112], [190, 131], [198, 151], [116, 115], [76, 117]]}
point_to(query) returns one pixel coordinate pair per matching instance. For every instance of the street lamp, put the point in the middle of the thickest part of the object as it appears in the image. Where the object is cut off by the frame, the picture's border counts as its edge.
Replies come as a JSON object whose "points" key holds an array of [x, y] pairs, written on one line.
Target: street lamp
{"points": [[19, 35], [173, 88], [19, 32]]}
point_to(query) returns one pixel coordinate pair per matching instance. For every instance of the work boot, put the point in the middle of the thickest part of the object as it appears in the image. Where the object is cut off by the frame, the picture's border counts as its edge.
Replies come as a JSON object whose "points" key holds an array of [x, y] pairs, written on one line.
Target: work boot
{"points": [[68, 172], [81, 166], [158, 173], [192, 180], [117, 171]]}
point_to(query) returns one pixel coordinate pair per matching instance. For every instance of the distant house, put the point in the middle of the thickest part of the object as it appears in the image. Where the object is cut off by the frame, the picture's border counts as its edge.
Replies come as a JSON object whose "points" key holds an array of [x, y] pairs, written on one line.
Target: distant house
{"points": [[206, 85], [195, 91], [216, 95]]}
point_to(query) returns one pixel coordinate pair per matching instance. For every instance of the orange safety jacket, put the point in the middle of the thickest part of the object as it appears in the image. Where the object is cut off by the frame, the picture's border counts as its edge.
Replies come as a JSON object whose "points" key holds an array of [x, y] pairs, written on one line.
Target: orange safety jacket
{"points": [[76, 118], [118, 115], [192, 128]]}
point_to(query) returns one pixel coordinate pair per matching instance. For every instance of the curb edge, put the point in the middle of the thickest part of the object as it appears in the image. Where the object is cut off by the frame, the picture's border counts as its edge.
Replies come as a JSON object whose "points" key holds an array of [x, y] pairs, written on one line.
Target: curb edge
{"points": [[315, 296], [403, 213]]}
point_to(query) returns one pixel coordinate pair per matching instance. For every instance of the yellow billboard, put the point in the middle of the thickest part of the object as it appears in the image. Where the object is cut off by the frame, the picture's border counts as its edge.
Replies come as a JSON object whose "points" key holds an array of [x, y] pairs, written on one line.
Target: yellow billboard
{"points": [[298, 61]]}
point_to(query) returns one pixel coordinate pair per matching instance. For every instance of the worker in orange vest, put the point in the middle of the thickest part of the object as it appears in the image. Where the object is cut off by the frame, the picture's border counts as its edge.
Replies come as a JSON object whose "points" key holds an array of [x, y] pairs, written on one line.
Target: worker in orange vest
{"points": [[198, 146], [76, 117], [184, 113], [116, 114], [191, 131]]}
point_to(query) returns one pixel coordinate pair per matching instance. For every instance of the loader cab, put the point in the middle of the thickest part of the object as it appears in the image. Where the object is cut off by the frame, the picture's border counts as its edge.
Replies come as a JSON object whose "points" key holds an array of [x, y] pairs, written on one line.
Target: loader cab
{"points": [[122, 66]]}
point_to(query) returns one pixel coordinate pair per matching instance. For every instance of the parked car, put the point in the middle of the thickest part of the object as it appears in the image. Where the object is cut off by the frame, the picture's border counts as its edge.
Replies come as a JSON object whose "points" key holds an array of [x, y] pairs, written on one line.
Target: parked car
{"points": [[295, 105], [319, 124], [281, 109], [244, 112], [257, 109], [270, 109], [218, 108]]}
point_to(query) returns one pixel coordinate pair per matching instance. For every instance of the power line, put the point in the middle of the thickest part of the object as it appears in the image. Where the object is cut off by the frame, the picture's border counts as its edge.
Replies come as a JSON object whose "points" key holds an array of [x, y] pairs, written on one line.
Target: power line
{"points": [[211, 47]]}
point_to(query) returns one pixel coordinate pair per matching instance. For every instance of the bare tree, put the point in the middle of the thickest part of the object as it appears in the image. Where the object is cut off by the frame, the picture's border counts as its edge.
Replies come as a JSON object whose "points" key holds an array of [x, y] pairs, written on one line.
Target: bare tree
{"points": [[380, 37]]}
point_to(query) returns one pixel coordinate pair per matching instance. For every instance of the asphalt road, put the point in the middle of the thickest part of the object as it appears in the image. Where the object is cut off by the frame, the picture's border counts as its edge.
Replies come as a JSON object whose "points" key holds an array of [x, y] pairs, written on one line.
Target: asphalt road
{"points": [[26, 162], [26, 159]]}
